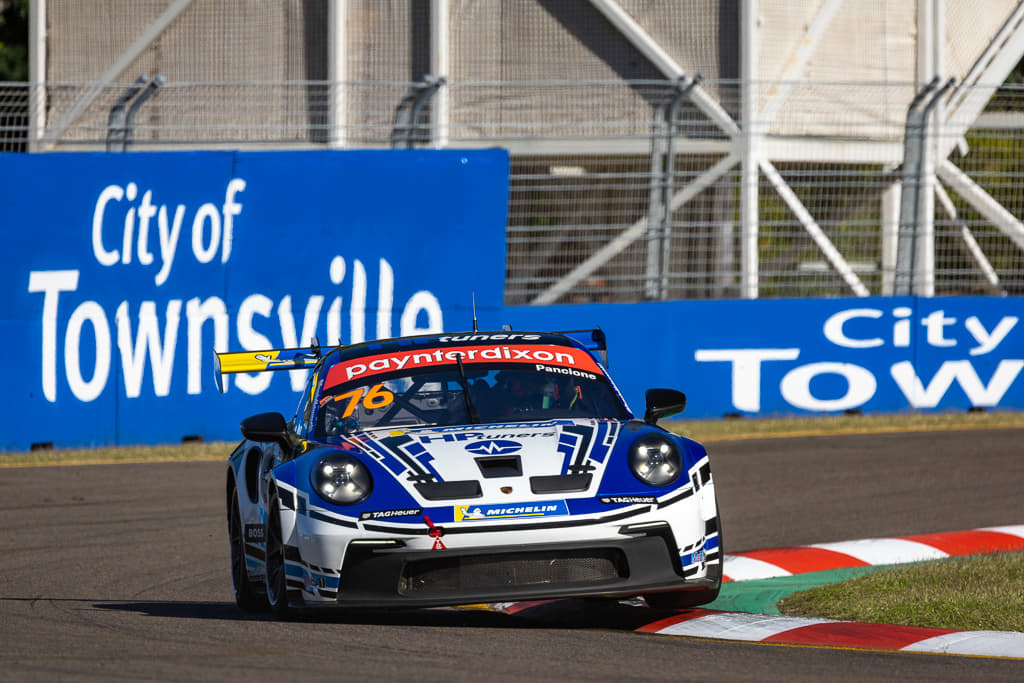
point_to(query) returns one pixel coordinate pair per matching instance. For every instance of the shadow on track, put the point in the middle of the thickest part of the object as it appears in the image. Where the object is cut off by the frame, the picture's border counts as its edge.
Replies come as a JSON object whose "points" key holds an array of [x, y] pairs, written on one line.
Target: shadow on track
{"points": [[606, 614]]}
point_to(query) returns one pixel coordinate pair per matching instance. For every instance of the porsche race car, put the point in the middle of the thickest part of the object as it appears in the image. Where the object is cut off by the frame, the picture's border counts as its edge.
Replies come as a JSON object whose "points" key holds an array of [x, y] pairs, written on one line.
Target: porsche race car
{"points": [[465, 468]]}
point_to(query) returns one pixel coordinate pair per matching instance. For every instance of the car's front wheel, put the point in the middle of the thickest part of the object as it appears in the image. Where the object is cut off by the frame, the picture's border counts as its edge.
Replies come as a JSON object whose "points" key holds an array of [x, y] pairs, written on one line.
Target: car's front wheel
{"points": [[278, 594], [247, 597]]}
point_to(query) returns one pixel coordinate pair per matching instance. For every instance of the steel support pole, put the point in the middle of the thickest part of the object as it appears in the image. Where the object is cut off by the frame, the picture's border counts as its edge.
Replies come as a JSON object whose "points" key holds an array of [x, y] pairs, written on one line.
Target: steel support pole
{"points": [[337, 73], [750, 158], [986, 205], [656, 208], [36, 74], [440, 63], [924, 272], [890, 235]]}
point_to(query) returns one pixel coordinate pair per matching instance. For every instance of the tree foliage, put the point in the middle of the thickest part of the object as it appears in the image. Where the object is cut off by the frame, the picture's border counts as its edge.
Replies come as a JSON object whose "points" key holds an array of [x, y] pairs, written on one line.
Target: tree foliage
{"points": [[14, 40]]}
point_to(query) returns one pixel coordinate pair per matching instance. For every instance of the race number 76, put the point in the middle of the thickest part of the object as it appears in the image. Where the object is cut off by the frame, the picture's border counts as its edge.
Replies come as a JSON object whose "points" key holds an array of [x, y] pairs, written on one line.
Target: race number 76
{"points": [[373, 397]]}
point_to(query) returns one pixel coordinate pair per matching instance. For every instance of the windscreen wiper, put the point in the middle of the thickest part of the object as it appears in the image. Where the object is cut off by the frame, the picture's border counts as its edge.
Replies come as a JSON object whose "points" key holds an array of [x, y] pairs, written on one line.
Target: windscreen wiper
{"points": [[470, 408]]}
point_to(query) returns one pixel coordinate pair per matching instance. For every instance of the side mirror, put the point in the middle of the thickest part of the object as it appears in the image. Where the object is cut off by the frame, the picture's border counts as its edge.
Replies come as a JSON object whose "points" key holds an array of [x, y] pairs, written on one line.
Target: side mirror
{"points": [[265, 427], [663, 403]]}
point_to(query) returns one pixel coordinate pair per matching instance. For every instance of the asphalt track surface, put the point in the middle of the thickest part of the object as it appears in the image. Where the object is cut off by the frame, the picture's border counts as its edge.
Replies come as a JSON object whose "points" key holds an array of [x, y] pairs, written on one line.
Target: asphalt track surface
{"points": [[120, 572]]}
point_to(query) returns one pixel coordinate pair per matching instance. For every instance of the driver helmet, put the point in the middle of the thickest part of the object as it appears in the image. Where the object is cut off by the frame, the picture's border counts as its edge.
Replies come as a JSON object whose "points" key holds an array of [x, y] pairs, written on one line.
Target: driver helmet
{"points": [[535, 390]]}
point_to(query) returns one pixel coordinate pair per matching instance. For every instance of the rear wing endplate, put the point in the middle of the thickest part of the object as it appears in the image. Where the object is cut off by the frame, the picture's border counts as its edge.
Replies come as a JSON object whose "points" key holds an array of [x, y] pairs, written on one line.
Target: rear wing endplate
{"points": [[593, 341], [262, 361]]}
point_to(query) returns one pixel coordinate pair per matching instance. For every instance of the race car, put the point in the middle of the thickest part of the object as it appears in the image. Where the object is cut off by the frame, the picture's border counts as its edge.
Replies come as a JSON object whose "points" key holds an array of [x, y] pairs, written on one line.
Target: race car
{"points": [[449, 469]]}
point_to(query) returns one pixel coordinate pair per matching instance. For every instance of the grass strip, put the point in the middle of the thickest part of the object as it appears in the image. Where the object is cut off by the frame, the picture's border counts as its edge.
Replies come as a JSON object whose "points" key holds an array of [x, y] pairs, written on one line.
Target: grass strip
{"points": [[185, 452], [762, 596], [981, 592]]}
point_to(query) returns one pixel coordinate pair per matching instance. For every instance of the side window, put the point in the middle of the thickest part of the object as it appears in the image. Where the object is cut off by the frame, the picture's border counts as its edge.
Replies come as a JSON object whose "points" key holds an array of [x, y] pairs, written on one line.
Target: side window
{"points": [[305, 408]]}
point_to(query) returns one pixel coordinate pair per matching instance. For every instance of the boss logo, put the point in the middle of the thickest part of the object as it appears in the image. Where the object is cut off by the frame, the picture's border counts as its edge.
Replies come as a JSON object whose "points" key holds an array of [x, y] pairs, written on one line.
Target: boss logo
{"points": [[254, 533]]}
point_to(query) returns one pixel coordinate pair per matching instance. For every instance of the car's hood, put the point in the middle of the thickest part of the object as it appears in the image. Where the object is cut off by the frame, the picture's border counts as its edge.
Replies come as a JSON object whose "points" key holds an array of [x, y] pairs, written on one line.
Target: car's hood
{"points": [[528, 457]]}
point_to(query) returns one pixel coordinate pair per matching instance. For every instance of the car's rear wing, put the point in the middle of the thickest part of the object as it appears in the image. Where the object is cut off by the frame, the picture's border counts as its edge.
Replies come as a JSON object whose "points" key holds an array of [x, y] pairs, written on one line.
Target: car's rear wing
{"points": [[593, 341], [262, 361]]}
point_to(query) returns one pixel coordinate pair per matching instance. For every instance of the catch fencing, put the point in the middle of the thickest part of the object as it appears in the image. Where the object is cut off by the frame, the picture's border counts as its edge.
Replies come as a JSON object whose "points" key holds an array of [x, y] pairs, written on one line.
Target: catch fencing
{"points": [[613, 200]]}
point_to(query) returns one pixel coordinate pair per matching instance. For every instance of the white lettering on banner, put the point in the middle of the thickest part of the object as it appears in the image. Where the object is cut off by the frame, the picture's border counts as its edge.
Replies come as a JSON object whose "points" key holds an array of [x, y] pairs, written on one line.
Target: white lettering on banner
{"points": [[250, 339], [421, 302], [231, 209], [385, 294], [834, 328], [290, 339], [105, 258], [357, 309], [168, 240], [206, 212], [87, 391], [746, 371], [133, 356], [51, 284], [935, 324], [129, 223], [337, 274], [198, 312], [987, 341], [136, 225], [146, 212], [795, 386], [963, 372], [154, 344]]}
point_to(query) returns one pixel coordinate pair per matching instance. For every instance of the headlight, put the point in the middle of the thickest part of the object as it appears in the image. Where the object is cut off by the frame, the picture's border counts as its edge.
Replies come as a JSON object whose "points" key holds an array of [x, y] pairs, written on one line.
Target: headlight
{"points": [[655, 460], [341, 479]]}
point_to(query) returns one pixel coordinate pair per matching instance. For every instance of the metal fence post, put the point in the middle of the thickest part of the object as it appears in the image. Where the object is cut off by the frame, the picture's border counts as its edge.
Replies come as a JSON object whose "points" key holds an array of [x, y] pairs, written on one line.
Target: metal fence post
{"points": [[917, 165], [407, 114], [120, 125], [116, 120]]}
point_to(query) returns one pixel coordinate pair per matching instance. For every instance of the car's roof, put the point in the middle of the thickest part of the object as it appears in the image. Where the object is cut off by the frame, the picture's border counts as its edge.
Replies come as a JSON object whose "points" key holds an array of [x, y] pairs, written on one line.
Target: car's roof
{"points": [[478, 338]]}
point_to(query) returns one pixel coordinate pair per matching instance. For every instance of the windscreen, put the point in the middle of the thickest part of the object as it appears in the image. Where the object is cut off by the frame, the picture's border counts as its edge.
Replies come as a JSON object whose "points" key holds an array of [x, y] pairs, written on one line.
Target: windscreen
{"points": [[464, 385]]}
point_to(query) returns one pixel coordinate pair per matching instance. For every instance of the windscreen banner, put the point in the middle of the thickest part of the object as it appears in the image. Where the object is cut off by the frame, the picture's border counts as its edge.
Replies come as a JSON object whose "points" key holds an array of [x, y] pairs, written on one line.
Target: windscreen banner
{"points": [[791, 357], [123, 273]]}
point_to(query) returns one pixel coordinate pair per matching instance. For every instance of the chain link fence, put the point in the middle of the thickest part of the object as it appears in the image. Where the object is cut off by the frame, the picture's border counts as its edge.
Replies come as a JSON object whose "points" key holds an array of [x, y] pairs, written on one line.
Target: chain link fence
{"points": [[585, 185], [633, 174]]}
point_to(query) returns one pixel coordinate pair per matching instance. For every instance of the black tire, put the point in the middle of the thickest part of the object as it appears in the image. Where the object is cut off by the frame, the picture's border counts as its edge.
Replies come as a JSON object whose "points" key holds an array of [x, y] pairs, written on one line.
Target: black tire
{"points": [[247, 597], [279, 595]]}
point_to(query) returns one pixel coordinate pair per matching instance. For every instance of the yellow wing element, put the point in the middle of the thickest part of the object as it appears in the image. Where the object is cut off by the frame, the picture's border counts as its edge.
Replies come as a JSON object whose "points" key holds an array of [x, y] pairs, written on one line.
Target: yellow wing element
{"points": [[262, 361]]}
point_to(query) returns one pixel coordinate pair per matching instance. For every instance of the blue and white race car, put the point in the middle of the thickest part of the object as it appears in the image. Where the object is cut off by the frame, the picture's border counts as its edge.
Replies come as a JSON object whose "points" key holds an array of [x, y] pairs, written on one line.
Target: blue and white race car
{"points": [[465, 468]]}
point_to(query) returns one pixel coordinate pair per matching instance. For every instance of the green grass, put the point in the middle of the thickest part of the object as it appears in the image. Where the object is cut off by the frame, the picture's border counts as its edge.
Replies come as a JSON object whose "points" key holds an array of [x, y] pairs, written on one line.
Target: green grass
{"points": [[983, 592]]}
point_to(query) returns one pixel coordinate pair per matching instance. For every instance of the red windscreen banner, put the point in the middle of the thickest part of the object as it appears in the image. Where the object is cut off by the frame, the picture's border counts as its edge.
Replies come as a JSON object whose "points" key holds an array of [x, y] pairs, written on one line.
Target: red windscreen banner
{"points": [[532, 354]]}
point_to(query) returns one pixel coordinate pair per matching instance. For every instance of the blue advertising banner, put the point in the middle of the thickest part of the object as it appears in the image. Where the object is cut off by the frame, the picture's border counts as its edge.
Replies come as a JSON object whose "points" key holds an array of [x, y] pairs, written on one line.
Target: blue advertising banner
{"points": [[775, 357], [123, 272]]}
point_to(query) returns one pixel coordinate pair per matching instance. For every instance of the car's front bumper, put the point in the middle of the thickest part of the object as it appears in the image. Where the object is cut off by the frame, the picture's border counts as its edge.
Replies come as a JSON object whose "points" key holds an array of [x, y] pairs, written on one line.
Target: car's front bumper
{"points": [[420, 578], [387, 564], [387, 576]]}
